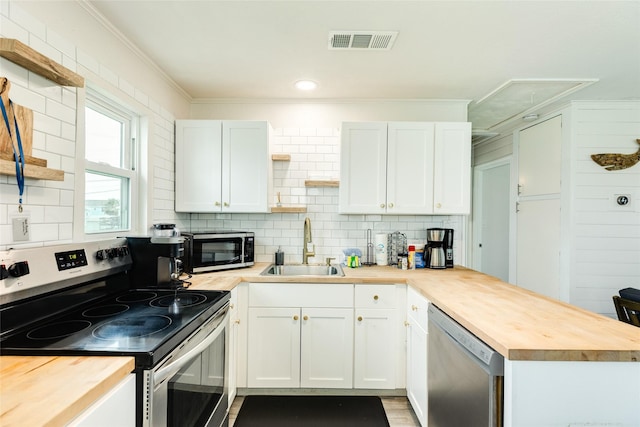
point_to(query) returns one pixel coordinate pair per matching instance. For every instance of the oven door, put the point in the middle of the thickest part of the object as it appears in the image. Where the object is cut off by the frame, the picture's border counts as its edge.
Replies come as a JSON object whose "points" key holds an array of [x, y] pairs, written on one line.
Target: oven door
{"points": [[189, 387], [216, 252]]}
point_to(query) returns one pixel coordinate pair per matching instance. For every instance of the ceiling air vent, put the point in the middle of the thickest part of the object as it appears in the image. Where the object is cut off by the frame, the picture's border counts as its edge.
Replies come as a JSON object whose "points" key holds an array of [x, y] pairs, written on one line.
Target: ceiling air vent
{"points": [[362, 40]]}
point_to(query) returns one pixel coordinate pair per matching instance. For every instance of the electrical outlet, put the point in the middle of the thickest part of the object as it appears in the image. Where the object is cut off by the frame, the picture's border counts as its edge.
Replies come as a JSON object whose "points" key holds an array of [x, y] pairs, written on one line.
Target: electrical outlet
{"points": [[21, 229]]}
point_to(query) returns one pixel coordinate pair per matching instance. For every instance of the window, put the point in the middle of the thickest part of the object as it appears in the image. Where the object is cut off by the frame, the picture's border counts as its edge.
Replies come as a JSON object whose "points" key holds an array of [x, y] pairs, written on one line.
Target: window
{"points": [[110, 169]]}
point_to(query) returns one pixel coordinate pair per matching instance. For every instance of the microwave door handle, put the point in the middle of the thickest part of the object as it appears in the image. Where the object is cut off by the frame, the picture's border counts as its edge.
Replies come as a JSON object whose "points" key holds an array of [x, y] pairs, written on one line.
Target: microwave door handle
{"points": [[173, 368]]}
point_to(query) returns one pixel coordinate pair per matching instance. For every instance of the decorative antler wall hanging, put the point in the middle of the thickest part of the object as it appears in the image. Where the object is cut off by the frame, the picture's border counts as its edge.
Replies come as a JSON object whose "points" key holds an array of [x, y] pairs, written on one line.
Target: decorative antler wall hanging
{"points": [[615, 161]]}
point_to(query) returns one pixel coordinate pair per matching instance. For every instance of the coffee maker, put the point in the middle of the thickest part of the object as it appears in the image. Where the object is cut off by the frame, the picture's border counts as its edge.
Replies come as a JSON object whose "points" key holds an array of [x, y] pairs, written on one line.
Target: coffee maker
{"points": [[157, 262], [434, 252]]}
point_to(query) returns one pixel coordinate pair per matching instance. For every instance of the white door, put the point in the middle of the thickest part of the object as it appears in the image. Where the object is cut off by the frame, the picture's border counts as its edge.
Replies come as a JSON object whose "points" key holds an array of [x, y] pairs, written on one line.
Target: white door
{"points": [[452, 168], [198, 165], [538, 217], [491, 218], [327, 348], [363, 168], [274, 347], [410, 168], [245, 166], [538, 254], [374, 359]]}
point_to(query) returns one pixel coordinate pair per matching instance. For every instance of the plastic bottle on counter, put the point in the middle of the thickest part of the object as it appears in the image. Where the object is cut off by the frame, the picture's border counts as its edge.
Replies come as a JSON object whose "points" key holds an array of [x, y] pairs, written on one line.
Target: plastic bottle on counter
{"points": [[411, 260]]}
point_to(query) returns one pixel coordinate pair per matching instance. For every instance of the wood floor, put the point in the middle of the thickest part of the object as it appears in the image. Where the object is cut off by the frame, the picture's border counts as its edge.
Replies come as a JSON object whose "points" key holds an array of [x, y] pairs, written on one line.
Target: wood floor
{"points": [[398, 410]]}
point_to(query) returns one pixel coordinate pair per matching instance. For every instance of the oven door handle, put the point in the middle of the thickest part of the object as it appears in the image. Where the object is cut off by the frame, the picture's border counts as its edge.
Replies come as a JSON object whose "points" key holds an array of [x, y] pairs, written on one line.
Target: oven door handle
{"points": [[173, 368]]}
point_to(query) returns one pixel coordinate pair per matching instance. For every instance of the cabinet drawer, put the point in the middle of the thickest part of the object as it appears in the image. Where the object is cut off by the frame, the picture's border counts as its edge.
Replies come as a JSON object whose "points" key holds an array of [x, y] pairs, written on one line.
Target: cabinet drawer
{"points": [[337, 295], [417, 306], [375, 296]]}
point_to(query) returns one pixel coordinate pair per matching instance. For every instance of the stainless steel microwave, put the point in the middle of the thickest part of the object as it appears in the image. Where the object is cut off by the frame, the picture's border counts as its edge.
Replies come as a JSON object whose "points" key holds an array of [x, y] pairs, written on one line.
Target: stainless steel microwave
{"points": [[217, 250]]}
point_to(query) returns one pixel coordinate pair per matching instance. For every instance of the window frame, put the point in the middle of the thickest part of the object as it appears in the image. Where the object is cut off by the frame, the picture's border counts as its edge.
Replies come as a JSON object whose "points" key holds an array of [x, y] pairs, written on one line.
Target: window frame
{"points": [[129, 171]]}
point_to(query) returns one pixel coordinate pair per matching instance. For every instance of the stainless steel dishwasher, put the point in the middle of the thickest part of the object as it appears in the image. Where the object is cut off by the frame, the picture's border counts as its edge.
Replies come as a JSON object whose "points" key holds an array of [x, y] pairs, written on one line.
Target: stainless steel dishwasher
{"points": [[464, 376]]}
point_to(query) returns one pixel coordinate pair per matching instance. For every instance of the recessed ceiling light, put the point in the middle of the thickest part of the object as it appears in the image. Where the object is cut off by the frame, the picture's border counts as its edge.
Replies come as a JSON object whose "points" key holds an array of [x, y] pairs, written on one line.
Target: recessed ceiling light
{"points": [[306, 85]]}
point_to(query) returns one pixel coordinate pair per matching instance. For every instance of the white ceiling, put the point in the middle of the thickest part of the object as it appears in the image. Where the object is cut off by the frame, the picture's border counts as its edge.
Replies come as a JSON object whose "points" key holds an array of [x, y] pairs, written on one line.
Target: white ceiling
{"points": [[443, 50]]}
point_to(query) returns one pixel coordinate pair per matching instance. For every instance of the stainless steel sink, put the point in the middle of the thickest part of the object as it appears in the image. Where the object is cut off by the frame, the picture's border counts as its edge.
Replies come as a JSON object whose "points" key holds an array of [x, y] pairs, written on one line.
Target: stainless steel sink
{"points": [[303, 270]]}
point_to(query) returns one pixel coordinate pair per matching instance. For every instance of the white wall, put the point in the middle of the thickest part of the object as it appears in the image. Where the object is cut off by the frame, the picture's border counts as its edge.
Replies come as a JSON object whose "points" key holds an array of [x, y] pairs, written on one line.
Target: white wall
{"points": [[605, 237]]}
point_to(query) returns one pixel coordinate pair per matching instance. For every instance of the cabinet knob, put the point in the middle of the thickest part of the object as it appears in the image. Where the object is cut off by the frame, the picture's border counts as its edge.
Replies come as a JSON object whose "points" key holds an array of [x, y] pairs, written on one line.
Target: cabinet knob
{"points": [[406, 323], [231, 306], [438, 205], [217, 203], [382, 205], [295, 317], [375, 297], [305, 318], [414, 308], [226, 204], [359, 318], [390, 205], [237, 321]]}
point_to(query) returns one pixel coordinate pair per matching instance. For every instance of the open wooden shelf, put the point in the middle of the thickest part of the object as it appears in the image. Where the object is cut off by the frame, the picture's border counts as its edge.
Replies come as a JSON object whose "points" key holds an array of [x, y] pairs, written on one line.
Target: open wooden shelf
{"points": [[21, 54], [31, 171], [321, 183], [281, 157], [288, 209]]}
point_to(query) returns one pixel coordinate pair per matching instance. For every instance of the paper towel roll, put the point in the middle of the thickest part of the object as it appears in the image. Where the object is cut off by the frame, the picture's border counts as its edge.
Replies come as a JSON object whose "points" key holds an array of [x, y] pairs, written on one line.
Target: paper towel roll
{"points": [[381, 242]]}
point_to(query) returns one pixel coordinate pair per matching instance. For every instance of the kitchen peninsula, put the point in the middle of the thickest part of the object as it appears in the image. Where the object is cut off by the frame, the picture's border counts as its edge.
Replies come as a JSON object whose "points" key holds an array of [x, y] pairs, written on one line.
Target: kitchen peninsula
{"points": [[563, 365]]}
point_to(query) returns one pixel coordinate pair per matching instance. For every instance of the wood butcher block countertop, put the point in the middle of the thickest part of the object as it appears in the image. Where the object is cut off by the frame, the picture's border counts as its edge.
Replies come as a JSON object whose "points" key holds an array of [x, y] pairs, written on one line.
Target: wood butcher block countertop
{"points": [[519, 324], [52, 391]]}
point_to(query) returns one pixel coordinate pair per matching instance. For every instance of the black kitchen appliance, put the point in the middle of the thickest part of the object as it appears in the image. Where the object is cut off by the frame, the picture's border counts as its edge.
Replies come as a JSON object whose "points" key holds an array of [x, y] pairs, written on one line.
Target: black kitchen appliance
{"points": [[157, 261], [447, 244], [78, 299]]}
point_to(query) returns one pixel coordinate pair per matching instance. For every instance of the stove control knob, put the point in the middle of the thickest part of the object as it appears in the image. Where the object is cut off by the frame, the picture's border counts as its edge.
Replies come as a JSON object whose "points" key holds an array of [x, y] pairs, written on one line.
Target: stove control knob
{"points": [[19, 269], [111, 253], [100, 255], [4, 273]]}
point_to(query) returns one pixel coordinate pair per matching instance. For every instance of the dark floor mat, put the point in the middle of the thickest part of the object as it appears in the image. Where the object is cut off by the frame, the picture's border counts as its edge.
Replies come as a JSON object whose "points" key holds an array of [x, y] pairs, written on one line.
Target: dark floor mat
{"points": [[311, 411]]}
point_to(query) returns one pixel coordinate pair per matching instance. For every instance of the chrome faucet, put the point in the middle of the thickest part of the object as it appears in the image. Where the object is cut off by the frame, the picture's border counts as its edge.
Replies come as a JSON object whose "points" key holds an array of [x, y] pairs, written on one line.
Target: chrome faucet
{"points": [[307, 239]]}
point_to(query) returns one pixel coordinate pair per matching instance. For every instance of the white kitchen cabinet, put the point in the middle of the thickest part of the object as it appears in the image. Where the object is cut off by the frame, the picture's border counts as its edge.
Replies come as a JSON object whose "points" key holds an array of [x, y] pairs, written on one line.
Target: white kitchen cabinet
{"points": [[326, 348], [300, 335], [405, 168], [417, 333], [222, 166], [375, 330], [116, 408], [452, 168], [274, 347]]}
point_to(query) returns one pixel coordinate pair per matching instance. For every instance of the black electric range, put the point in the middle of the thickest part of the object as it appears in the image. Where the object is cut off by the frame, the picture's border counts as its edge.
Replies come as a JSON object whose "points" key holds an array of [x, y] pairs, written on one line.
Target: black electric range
{"points": [[98, 313]]}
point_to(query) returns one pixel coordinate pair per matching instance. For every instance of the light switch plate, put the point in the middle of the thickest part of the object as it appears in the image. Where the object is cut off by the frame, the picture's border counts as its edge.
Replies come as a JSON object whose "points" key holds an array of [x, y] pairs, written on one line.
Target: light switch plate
{"points": [[20, 229]]}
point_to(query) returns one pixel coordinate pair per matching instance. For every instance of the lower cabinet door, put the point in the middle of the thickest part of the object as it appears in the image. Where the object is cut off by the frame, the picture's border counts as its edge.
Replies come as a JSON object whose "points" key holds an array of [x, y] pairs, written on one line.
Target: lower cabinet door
{"points": [[374, 353], [274, 347], [417, 370], [327, 348]]}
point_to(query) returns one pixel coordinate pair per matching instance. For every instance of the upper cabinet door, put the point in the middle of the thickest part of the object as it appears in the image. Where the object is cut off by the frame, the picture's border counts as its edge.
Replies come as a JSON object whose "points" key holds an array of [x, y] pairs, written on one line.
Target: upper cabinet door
{"points": [[198, 160], [539, 158], [363, 168], [245, 166], [452, 168], [410, 168]]}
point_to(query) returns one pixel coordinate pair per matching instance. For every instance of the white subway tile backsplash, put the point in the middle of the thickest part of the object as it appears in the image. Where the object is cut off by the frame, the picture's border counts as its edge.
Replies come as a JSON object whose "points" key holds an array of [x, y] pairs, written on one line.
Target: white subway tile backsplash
{"points": [[60, 111]]}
